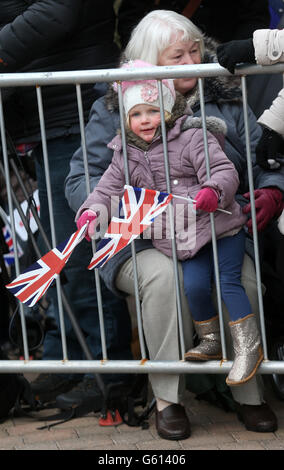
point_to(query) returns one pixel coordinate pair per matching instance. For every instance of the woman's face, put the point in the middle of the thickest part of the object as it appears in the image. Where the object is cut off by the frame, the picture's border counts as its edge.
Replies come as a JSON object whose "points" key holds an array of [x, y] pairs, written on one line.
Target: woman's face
{"points": [[182, 53]]}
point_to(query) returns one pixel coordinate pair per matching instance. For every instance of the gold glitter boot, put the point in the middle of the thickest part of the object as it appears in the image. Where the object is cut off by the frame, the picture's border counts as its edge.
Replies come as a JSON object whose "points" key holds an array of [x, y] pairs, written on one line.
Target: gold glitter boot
{"points": [[247, 349], [208, 331]]}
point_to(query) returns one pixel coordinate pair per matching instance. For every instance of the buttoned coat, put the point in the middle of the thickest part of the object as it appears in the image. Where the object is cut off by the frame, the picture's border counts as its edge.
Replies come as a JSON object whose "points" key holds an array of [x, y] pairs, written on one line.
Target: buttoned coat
{"points": [[269, 49]]}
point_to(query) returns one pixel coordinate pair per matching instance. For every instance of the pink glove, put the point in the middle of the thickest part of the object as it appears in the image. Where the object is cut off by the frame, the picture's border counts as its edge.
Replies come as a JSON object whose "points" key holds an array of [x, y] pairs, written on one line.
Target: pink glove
{"points": [[268, 204], [206, 200], [90, 216]]}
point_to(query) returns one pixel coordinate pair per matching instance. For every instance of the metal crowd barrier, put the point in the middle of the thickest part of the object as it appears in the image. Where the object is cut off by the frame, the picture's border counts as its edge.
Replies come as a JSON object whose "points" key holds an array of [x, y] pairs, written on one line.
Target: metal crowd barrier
{"points": [[142, 365]]}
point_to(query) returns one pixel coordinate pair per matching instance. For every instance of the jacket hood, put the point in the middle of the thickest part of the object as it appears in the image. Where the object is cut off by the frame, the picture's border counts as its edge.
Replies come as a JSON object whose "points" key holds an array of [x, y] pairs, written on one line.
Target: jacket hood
{"points": [[181, 108], [213, 124], [181, 120]]}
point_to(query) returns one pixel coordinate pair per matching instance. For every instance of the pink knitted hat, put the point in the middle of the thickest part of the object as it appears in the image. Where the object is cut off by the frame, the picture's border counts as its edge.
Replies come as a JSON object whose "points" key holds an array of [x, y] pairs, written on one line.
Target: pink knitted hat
{"points": [[145, 91]]}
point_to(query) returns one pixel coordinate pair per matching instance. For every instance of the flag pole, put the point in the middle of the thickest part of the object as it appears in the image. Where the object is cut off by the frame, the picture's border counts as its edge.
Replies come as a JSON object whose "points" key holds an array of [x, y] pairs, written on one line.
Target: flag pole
{"points": [[193, 200]]}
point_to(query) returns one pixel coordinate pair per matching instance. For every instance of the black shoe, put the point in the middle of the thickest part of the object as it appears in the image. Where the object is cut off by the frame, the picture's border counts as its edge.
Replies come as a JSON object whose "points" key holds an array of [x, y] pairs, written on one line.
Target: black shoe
{"points": [[172, 423], [86, 392], [46, 387], [257, 418]]}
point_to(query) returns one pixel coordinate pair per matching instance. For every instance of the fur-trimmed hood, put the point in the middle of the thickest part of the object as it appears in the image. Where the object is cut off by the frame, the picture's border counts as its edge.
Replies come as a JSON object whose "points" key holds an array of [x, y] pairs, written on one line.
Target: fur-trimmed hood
{"points": [[182, 112], [220, 89], [213, 124]]}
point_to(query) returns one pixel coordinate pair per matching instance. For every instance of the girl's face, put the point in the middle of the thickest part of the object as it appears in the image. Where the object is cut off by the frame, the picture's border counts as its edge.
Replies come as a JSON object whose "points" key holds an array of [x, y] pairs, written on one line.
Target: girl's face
{"points": [[182, 53], [144, 120]]}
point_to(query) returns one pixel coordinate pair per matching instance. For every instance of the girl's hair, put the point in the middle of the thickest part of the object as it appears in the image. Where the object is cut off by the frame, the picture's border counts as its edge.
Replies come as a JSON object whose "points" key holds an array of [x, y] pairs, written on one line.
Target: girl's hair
{"points": [[157, 31]]}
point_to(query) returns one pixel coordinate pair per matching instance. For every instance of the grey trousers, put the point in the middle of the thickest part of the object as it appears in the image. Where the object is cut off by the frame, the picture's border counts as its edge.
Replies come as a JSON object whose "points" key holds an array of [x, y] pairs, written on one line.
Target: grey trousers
{"points": [[156, 283]]}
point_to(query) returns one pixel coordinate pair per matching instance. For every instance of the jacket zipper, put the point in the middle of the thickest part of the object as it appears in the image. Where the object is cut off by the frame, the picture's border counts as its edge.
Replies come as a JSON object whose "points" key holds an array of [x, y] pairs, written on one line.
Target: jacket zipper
{"points": [[146, 157]]}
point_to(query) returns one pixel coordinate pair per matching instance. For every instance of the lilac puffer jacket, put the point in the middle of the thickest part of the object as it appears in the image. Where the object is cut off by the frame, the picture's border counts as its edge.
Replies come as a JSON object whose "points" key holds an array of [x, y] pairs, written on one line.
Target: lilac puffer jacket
{"points": [[187, 176]]}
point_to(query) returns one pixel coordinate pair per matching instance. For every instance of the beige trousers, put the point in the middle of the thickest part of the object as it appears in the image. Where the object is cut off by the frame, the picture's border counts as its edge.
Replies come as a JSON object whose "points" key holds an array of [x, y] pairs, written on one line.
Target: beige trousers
{"points": [[156, 283]]}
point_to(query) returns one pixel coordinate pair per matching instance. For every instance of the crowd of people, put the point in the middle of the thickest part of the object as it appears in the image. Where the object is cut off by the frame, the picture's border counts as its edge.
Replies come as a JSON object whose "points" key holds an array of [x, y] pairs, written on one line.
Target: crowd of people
{"points": [[84, 36]]}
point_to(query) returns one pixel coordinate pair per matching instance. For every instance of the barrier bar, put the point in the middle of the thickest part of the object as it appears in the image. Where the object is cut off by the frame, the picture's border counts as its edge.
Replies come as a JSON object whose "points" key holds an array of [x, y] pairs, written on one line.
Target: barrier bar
{"points": [[133, 250], [51, 217], [253, 216], [108, 75], [171, 219], [12, 222], [133, 366], [88, 190], [212, 222], [77, 78]]}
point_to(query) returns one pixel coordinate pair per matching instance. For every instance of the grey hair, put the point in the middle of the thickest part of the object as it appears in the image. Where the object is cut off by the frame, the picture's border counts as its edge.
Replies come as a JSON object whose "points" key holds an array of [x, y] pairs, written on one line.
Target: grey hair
{"points": [[157, 31]]}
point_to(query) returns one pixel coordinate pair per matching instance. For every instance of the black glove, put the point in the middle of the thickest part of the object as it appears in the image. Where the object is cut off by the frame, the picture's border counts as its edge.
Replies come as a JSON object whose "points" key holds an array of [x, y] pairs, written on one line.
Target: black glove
{"points": [[234, 52], [269, 147]]}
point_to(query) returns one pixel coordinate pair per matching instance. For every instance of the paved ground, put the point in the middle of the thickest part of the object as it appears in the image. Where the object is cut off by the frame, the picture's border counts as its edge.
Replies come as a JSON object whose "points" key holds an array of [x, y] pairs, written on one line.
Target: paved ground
{"points": [[212, 429]]}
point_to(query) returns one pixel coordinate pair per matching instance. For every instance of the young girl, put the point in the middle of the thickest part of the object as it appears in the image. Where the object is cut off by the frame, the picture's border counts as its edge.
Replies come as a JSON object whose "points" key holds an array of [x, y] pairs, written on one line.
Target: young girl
{"points": [[188, 179]]}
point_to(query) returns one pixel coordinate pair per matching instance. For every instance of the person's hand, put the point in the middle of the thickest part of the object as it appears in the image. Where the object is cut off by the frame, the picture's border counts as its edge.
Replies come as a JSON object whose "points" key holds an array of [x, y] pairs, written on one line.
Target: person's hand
{"points": [[269, 150], [88, 216], [206, 200], [234, 52], [268, 204]]}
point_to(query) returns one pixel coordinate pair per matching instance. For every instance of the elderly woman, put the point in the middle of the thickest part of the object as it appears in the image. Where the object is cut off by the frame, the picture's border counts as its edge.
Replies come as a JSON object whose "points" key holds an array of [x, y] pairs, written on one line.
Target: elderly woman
{"points": [[167, 38]]}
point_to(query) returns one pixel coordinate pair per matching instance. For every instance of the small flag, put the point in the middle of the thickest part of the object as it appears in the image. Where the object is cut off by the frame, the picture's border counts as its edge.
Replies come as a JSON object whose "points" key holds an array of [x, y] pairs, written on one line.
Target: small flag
{"points": [[9, 258], [137, 210], [32, 284]]}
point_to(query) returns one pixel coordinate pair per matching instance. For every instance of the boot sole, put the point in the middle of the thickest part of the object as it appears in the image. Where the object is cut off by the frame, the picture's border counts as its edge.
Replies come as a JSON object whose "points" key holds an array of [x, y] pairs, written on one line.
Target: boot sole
{"points": [[174, 438], [202, 357], [260, 359]]}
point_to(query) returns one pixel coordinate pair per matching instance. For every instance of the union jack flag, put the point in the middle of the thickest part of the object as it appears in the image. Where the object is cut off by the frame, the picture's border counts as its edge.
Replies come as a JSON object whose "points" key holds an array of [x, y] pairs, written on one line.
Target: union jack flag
{"points": [[9, 258], [32, 284], [137, 210]]}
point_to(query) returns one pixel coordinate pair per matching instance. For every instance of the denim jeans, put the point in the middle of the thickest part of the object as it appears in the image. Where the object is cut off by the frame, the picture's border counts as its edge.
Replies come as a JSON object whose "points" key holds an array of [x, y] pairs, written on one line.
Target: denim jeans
{"points": [[198, 275], [79, 287]]}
